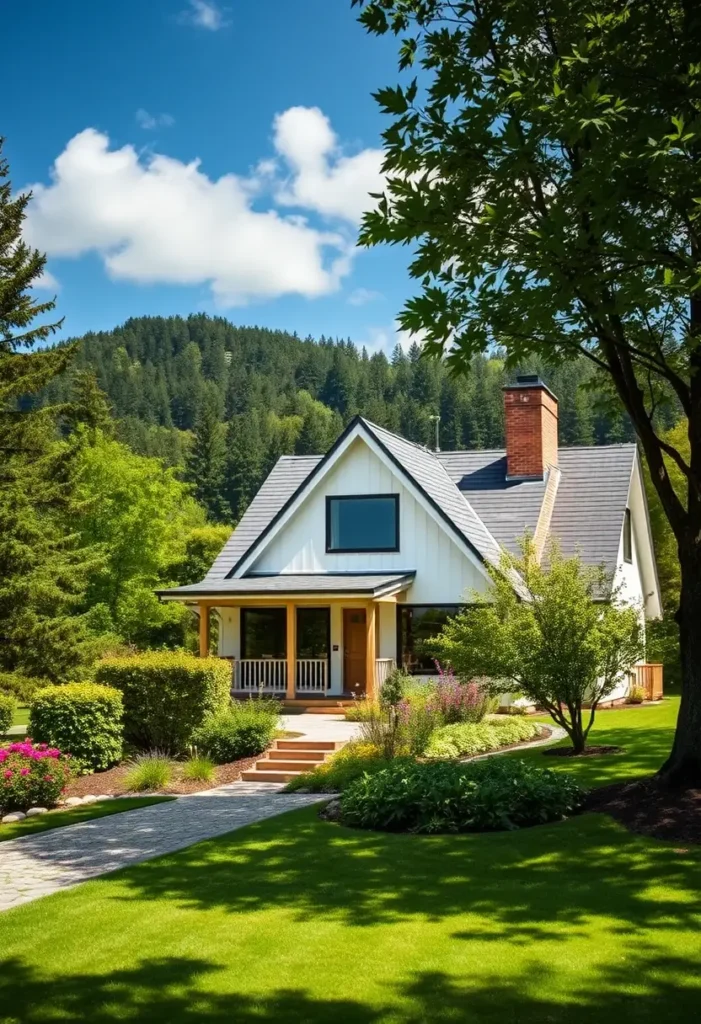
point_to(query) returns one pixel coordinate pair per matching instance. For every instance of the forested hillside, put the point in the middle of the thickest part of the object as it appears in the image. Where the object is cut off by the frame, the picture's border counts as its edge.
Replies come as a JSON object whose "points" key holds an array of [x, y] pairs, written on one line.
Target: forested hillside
{"points": [[221, 403]]}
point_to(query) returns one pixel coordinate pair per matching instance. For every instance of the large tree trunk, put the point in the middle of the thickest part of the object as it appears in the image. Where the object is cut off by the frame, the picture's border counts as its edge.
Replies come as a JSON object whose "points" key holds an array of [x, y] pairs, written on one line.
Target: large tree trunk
{"points": [[683, 766]]}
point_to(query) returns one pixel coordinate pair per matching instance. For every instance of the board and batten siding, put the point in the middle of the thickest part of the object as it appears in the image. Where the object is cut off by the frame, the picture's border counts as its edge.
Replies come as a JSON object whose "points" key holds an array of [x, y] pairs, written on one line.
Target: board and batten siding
{"points": [[444, 574]]}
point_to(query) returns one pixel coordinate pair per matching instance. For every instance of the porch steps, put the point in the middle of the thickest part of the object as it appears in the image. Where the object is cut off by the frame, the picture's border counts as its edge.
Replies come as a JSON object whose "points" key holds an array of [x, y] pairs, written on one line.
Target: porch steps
{"points": [[289, 758]]}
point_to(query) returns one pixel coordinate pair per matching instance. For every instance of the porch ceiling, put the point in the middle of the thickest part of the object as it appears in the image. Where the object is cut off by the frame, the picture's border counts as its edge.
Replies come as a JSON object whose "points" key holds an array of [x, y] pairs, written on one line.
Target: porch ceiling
{"points": [[370, 585]]}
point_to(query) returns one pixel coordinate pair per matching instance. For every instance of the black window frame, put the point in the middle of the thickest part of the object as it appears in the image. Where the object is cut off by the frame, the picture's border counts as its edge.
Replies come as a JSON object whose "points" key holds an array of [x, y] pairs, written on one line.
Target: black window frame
{"points": [[266, 609], [458, 608], [361, 551], [628, 537]]}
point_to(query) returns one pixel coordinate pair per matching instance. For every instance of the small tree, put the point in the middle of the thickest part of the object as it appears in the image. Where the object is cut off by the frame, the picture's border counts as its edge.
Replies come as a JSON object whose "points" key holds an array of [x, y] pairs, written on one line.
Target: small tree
{"points": [[561, 645]]}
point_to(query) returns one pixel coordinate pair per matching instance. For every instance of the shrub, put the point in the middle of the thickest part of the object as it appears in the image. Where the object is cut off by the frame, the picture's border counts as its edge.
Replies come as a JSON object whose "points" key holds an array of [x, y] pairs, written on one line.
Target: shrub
{"points": [[22, 688], [8, 706], [31, 775], [394, 687], [381, 728], [167, 695], [198, 768], [362, 710], [347, 765], [498, 793], [84, 719], [636, 695], [150, 771], [467, 739], [462, 701], [419, 717], [244, 729]]}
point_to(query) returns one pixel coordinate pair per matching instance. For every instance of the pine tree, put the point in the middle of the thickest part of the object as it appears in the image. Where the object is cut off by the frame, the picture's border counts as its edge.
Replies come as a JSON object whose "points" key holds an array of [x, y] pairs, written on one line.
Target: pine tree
{"points": [[207, 456], [42, 571]]}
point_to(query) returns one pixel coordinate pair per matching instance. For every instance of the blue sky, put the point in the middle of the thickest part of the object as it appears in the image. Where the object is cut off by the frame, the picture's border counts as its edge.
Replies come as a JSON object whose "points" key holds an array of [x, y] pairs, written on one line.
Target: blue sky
{"points": [[188, 156]]}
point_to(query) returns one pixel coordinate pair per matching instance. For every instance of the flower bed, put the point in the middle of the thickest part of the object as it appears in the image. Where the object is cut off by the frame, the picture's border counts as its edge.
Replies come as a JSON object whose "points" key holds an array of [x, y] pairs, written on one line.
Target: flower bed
{"points": [[32, 775]]}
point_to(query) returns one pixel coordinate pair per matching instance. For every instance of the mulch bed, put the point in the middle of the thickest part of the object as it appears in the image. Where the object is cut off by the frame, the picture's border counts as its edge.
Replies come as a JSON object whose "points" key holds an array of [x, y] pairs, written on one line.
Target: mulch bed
{"points": [[111, 782], [588, 752], [650, 808]]}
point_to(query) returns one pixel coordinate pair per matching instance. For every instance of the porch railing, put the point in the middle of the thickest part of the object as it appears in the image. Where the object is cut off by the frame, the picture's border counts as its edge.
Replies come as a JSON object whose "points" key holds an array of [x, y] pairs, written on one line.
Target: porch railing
{"points": [[256, 674], [383, 667], [312, 675]]}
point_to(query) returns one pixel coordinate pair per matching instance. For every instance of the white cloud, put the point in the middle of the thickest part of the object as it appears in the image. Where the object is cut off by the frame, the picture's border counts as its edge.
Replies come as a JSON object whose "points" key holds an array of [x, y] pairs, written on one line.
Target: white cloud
{"points": [[361, 296], [322, 178], [385, 339], [154, 219], [151, 121], [205, 14], [46, 282]]}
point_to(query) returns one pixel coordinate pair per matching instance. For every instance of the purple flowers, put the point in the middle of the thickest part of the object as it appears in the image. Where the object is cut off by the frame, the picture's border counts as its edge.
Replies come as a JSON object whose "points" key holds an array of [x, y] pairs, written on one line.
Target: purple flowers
{"points": [[457, 701]]}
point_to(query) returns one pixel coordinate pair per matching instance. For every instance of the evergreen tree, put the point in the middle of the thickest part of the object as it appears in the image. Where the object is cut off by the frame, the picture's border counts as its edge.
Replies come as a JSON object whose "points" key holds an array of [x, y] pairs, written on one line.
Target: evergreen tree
{"points": [[42, 570], [207, 456]]}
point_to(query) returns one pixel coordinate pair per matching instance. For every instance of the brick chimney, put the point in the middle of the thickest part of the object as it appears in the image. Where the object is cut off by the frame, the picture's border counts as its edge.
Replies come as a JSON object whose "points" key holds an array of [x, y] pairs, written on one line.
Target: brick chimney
{"points": [[530, 413]]}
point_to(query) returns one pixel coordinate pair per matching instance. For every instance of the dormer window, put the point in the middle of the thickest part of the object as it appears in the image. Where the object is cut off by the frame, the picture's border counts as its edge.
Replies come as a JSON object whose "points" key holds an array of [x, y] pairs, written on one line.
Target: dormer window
{"points": [[627, 538], [362, 523]]}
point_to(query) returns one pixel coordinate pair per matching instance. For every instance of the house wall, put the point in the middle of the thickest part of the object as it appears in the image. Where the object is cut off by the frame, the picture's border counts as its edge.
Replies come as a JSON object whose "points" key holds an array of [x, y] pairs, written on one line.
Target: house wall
{"points": [[444, 573]]}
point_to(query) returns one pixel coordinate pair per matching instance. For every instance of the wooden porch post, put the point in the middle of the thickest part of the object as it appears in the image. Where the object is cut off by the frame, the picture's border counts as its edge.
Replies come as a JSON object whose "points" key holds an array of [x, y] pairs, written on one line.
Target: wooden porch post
{"points": [[204, 630], [291, 650], [370, 677]]}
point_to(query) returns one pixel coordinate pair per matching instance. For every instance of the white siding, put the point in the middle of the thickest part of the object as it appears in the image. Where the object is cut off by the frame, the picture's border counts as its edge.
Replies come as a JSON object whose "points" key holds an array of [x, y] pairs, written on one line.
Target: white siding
{"points": [[443, 572], [229, 632], [387, 647]]}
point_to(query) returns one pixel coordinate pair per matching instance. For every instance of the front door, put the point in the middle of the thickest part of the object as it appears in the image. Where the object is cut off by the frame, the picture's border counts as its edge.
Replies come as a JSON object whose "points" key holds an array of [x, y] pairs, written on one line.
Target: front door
{"points": [[354, 650]]}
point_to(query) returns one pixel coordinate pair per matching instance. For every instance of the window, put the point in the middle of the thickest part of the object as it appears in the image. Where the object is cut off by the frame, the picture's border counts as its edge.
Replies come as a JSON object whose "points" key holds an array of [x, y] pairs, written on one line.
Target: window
{"points": [[417, 623], [363, 523], [263, 633], [627, 538], [312, 632]]}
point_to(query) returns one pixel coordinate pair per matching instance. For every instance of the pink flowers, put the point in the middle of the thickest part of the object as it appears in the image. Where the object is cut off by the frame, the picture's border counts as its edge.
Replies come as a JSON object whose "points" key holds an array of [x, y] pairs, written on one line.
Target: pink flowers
{"points": [[460, 702], [25, 781]]}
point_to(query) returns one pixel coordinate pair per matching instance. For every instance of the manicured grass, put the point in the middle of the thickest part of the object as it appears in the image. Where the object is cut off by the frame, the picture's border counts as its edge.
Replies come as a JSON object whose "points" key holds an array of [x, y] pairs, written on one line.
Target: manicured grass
{"points": [[21, 716], [297, 920], [73, 815]]}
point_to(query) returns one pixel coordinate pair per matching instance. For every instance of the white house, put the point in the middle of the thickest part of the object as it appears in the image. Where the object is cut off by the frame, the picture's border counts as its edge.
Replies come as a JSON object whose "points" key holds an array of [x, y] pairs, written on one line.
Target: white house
{"points": [[343, 562]]}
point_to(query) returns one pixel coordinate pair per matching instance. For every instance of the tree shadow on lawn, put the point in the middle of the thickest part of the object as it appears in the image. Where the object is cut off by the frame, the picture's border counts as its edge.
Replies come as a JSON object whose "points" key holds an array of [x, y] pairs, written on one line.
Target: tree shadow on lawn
{"points": [[518, 885], [181, 990]]}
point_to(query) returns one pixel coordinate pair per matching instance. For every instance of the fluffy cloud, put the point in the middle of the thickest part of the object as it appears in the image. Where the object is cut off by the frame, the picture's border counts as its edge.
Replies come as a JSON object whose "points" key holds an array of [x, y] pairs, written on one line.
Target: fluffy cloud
{"points": [[322, 178], [46, 282], [204, 14], [151, 121], [385, 339], [154, 219]]}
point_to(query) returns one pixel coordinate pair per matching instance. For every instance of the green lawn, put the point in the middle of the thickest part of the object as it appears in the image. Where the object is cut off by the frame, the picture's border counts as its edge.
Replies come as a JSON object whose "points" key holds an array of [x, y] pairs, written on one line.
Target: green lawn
{"points": [[59, 818], [297, 920]]}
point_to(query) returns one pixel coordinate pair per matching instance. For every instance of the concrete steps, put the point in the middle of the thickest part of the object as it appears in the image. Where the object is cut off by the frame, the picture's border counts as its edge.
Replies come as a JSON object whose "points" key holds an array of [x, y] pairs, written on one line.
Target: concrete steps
{"points": [[289, 758]]}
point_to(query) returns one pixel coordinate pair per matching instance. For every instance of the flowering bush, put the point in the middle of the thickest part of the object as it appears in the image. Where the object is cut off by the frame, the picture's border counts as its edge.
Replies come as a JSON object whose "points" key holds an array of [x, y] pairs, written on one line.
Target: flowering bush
{"points": [[32, 775], [461, 702]]}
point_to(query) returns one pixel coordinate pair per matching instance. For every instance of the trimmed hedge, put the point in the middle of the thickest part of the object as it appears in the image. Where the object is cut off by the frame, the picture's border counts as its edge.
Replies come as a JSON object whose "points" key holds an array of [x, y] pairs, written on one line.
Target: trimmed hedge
{"points": [[244, 729], [495, 794], [167, 695], [7, 711], [467, 739], [81, 719]]}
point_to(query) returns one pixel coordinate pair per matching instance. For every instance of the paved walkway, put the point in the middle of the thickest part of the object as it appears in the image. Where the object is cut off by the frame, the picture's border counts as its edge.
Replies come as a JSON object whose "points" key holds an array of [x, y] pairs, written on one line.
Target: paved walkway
{"points": [[37, 865]]}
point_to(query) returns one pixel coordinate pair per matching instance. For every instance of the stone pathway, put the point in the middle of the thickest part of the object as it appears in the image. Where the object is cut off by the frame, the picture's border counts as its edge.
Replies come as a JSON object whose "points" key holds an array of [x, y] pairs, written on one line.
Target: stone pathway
{"points": [[37, 865]]}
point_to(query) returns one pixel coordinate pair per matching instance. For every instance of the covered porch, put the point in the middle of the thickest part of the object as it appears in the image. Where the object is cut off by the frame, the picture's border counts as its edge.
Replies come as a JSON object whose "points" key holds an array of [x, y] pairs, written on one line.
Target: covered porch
{"points": [[303, 638]]}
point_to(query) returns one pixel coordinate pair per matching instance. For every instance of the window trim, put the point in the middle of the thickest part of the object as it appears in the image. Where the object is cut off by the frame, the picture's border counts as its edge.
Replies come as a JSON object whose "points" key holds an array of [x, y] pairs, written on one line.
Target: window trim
{"points": [[628, 537], [443, 604], [360, 551]]}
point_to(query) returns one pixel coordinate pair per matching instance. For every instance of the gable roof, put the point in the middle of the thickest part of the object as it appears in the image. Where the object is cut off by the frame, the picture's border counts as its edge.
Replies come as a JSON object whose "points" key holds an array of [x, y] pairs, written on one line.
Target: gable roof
{"points": [[589, 508]]}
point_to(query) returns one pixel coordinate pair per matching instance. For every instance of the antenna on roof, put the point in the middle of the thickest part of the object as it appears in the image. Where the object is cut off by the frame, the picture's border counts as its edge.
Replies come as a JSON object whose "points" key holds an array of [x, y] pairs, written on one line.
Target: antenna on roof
{"points": [[437, 420]]}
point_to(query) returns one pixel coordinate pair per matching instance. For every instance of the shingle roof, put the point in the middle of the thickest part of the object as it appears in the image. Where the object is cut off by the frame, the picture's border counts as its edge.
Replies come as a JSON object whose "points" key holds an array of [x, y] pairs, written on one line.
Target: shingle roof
{"points": [[470, 491], [284, 479], [591, 498], [370, 584]]}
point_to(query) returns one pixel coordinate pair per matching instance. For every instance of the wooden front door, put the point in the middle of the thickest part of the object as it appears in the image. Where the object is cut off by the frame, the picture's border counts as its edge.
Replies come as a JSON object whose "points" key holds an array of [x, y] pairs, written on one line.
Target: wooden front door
{"points": [[354, 650]]}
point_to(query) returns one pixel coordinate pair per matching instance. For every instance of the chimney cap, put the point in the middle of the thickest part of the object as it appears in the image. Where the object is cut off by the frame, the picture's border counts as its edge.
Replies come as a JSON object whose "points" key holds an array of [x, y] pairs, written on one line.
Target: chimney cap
{"points": [[529, 380]]}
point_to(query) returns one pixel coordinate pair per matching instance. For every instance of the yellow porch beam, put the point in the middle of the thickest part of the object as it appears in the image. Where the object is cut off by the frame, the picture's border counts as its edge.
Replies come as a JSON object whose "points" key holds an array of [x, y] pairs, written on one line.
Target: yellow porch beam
{"points": [[204, 631], [370, 680], [291, 650]]}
